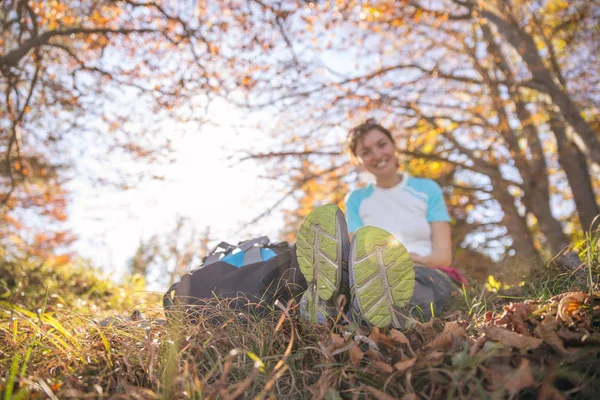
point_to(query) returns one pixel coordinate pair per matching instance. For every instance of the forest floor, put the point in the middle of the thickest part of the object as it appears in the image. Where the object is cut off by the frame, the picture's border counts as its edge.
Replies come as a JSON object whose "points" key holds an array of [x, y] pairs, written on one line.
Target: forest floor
{"points": [[540, 342]]}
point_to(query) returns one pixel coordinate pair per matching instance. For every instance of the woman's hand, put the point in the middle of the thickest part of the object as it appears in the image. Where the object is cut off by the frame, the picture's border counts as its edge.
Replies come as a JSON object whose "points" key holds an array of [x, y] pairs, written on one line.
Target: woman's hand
{"points": [[417, 259], [441, 255]]}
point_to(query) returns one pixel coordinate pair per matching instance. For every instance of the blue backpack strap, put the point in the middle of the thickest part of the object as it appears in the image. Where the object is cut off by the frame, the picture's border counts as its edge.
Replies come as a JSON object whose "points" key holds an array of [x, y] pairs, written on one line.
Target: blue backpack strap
{"points": [[214, 255], [251, 251]]}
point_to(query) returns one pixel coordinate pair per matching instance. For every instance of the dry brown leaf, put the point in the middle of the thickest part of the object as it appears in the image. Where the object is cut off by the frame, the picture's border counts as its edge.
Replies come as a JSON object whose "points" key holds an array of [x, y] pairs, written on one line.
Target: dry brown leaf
{"points": [[403, 366], [549, 392], [398, 337], [415, 339], [375, 334], [580, 338], [572, 338], [446, 339], [515, 314], [336, 342], [512, 339], [383, 367], [363, 339], [495, 375], [451, 326], [478, 344], [488, 317], [373, 355], [547, 332], [426, 329], [570, 306], [433, 359], [559, 297], [378, 394], [521, 379], [356, 354], [519, 325]]}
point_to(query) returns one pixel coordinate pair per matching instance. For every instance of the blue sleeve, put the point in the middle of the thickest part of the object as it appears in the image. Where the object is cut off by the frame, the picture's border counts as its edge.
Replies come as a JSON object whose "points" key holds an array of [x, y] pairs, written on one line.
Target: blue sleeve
{"points": [[436, 206], [353, 219]]}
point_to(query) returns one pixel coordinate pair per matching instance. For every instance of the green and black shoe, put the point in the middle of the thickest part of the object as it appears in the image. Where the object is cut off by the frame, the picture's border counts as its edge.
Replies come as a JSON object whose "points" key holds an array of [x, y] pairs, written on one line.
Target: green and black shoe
{"points": [[382, 277], [322, 248]]}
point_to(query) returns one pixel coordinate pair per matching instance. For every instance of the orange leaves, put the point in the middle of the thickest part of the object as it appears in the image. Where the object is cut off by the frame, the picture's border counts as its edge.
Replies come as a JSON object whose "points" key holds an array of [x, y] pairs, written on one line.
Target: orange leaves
{"points": [[501, 361], [569, 307], [418, 15], [247, 81], [213, 49]]}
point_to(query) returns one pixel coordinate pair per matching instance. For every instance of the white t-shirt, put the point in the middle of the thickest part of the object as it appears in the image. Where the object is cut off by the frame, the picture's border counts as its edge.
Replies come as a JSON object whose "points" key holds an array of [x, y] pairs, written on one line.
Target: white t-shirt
{"points": [[405, 210]]}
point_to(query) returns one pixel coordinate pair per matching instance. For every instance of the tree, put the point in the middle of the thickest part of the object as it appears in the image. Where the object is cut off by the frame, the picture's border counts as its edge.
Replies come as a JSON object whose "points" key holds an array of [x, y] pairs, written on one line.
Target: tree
{"points": [[93, 82], [459, 93]]}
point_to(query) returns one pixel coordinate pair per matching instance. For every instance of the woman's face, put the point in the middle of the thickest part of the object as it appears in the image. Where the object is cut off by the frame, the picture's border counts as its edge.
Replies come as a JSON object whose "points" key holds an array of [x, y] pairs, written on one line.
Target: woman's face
{"points": [[377, 154]]}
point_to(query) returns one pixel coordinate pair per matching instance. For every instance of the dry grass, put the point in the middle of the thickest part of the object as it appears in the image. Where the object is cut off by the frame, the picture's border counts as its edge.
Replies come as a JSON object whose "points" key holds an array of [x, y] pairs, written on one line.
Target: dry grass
{"points": [[51, 345]]}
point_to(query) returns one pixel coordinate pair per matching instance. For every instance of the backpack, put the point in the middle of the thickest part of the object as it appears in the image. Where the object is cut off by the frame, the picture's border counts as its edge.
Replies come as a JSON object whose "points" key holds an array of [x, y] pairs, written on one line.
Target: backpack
{"points": [[250, 276]]}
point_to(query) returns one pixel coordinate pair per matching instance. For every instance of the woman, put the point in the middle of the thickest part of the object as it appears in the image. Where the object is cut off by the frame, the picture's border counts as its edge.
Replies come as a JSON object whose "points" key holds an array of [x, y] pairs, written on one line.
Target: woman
{"points": [[396, 223], [411, 209]]}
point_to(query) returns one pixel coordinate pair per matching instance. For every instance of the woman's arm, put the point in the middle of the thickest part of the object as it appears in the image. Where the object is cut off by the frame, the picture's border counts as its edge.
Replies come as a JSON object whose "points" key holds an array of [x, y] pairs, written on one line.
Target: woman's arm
{"points": [[441, 256]]}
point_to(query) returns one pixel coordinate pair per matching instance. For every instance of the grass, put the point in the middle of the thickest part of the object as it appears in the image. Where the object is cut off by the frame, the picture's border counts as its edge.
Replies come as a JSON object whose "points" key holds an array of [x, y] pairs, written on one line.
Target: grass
{"points": [[51, 346]]}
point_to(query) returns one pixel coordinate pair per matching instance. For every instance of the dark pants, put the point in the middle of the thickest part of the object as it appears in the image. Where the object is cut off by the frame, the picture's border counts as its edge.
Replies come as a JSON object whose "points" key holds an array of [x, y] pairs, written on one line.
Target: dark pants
{"points": [[433, 288]]}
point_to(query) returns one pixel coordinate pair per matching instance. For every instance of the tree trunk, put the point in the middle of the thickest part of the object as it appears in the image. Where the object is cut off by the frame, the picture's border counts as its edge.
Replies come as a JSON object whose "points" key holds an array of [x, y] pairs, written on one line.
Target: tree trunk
{"points": [[534, 171], [544, 81], [517, 228], [575, 166]]}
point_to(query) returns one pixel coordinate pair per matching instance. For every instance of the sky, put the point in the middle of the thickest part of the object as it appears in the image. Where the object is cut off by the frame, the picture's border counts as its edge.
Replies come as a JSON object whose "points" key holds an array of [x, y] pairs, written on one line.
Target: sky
{"points": [[203, 184]]}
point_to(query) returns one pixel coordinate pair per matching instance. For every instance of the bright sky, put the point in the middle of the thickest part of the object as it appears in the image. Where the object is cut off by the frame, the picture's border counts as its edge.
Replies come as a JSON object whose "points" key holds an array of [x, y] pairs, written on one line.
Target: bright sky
{"points": [[201, 185]]}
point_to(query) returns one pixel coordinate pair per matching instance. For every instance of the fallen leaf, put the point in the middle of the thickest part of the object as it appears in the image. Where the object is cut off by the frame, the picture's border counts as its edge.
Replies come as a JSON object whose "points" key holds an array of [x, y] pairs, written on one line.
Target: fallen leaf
{"points": [[512, 339], [336, 342], [559, 297], [356, 354], [515, 314], [373, 355], [521, 378], [488, 317], [426, 329], [400, 338], [549, 392], [475, 347], [403, 366], [451, 326], [375, 334], [495, 375], [571, 338], [433, 359], [580, 338], [446, 339], [363, 339], [570, 306], [547, 332], [383, 367]]}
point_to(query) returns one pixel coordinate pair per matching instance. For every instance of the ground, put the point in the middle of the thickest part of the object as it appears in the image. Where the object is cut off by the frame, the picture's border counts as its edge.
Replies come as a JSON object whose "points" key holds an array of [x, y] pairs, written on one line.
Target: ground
{"points": [[541, 342]]}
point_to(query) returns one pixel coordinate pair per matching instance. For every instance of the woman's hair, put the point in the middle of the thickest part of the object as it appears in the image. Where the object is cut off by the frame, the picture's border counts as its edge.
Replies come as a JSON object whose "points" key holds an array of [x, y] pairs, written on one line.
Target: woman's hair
{"points": [[356, 133]]}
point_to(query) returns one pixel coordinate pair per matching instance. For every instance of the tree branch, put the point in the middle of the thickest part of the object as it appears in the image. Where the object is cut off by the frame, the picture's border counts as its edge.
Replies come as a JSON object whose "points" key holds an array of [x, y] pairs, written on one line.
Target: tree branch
{"points": [[13, 57]]}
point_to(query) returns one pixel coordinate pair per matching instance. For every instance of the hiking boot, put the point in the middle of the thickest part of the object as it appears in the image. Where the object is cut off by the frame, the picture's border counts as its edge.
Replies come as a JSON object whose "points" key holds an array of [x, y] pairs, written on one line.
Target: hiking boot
{"points": [[322, 248], [382, 277]]}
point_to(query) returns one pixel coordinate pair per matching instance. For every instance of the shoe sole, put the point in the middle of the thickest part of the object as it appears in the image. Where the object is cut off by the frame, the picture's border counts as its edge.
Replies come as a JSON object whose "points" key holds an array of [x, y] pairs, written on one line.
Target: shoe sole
{"points": [[322, 249], [382, 276]]}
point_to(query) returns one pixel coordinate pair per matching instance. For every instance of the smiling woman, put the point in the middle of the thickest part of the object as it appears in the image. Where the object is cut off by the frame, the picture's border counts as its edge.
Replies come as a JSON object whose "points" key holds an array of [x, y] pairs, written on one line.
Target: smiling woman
{"points": [[411, 210]]}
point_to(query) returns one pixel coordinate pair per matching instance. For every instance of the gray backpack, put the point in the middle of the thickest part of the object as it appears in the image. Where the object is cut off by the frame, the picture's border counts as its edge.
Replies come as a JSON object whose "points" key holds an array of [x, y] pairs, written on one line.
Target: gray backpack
{"points": [[250, 277]]}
